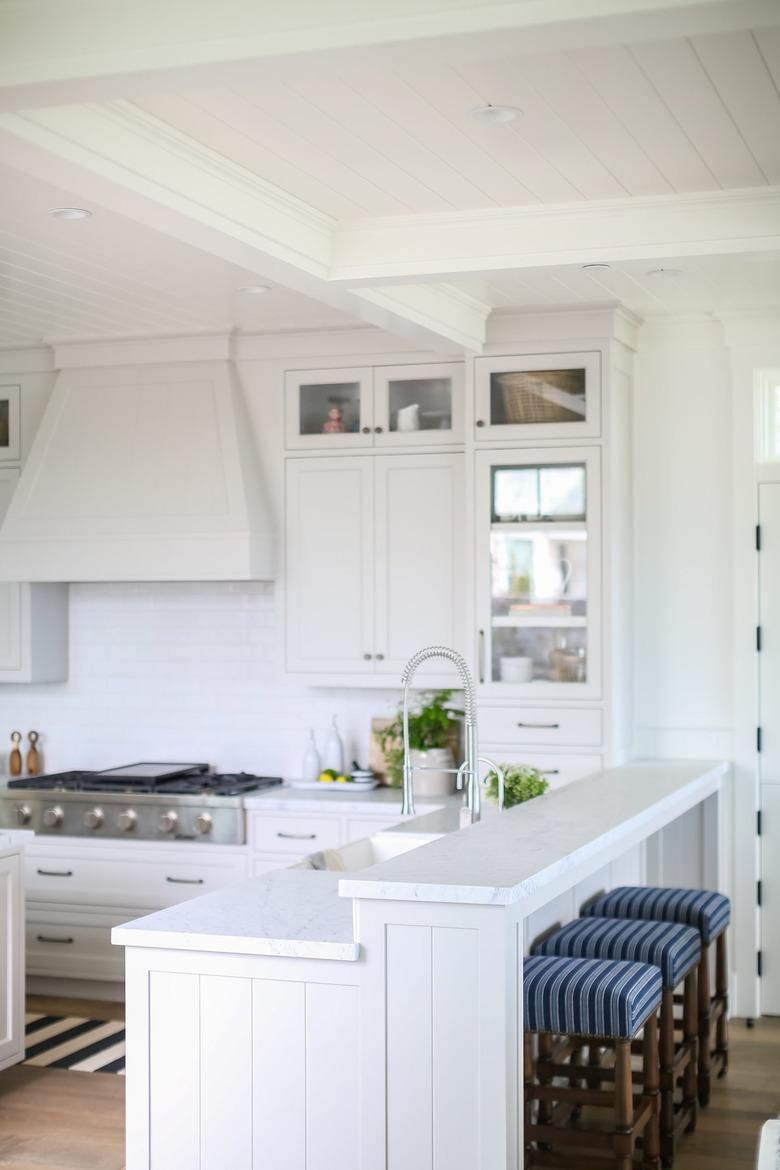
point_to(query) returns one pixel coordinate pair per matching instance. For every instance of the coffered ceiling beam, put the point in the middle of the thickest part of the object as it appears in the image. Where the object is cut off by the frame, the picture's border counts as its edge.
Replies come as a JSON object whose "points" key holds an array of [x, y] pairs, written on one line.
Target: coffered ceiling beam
{"points": [[441, 245], [143, 168]]}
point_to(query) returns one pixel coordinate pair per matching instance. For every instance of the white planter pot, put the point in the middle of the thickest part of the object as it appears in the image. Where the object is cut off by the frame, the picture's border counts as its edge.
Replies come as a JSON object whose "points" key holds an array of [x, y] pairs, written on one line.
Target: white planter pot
{"points": [[433, 783]]}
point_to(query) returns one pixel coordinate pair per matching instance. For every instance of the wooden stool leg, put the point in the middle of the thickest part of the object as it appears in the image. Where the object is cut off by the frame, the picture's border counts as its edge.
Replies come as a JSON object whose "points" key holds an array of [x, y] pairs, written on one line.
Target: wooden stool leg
{"points": [[690, 1041], [624, 1106], [528, 1076], [704, 1027], [722, 992], [667, 1077], [594, 1061], [650, 1077], [545, 1111]]}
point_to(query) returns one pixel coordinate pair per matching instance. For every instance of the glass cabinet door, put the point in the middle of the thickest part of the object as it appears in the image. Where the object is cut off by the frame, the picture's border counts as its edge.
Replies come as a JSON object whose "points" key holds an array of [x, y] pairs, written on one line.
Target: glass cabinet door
{"points": [[538, 573], [329, 409], [538, 396], [418, 405]]}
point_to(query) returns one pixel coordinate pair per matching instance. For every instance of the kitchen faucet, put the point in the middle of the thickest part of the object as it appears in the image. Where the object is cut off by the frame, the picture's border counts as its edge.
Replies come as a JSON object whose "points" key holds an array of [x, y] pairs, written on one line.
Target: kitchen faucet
{"points": [[468, 772]]}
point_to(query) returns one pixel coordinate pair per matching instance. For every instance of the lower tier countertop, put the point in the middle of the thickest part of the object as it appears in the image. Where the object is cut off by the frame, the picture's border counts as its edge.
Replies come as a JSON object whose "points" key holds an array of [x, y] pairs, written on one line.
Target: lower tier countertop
{"points": [[499, 861]]}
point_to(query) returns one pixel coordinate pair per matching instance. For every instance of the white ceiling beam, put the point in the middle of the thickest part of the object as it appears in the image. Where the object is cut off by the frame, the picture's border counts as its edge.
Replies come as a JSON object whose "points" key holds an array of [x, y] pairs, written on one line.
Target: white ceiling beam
{"points": [[439, 246], [60, 51], [141, 167]]}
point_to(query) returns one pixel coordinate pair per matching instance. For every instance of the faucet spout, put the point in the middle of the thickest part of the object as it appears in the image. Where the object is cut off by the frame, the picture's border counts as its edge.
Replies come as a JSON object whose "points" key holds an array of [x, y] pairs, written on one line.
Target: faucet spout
{"points": [[469, 769]]}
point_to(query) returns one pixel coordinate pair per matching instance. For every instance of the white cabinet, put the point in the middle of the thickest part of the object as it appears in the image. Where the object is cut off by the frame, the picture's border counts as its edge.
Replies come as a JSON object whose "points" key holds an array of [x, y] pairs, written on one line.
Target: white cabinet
{"points": [[385, 406], [11, 957], [33, 619], [532, 397], [375, 562]]}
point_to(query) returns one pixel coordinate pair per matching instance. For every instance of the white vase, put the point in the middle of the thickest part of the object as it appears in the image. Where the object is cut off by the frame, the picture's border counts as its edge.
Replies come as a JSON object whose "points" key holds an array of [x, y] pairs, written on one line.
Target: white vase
{"points": [[435, 782], [334, 748]]}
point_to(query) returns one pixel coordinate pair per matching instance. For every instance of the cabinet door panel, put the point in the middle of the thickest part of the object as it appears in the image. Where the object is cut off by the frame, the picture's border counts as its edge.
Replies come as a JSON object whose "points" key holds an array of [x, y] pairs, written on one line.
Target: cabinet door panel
{"points": [[418, 406], [420, 553], [330, 565], [10, 595], [311, 396], [11, 960]]}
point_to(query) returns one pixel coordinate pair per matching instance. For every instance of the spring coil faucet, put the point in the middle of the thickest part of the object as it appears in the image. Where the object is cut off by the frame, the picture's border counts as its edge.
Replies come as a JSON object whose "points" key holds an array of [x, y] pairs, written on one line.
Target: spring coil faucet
{"points": [[468, 772]]}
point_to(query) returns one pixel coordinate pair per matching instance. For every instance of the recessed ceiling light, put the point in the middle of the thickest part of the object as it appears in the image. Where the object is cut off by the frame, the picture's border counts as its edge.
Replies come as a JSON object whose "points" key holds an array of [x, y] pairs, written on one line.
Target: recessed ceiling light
{"points": [[491, 113], [596, 266], [254, 290], [70, 212], [669, 273]]}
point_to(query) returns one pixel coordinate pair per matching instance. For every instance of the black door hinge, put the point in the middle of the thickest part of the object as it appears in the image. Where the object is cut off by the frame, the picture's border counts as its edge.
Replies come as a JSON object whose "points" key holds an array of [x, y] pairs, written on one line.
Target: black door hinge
{"points": [[758, 639], [758, 739], [758, 823], [758, 893], [758, 538], [759, 964]]}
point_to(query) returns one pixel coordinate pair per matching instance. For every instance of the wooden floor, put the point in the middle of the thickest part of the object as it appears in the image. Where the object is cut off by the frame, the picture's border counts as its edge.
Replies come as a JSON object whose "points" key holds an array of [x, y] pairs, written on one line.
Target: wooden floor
{"points": [[51, 1119]]}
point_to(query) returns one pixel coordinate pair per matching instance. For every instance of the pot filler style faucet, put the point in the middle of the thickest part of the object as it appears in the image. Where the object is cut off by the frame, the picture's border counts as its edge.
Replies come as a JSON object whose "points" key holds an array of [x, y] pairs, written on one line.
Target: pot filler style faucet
{"points": [[468, 772]]}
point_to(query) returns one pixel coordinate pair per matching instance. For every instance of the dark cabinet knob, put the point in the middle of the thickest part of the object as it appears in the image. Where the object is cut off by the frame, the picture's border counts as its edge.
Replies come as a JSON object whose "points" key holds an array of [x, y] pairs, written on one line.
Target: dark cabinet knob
{"points": [[367, 657], [380, 657], [366, 430], [378, 430], [480, 422]]}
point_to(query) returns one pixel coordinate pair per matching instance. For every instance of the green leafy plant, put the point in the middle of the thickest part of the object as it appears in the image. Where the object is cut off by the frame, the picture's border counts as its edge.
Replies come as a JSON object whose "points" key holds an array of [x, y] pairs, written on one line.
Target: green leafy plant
{"points": [[432, 724], [521, 783]]}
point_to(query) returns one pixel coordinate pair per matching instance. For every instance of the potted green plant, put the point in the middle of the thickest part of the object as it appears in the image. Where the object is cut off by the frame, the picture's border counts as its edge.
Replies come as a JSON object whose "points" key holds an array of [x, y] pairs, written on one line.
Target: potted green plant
{"points": [[521, 783], [433, 739]]}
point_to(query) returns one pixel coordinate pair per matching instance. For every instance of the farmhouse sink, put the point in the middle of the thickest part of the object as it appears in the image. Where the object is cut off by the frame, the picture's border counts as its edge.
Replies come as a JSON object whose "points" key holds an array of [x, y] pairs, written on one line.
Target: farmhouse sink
{"points": [[368, 851]]}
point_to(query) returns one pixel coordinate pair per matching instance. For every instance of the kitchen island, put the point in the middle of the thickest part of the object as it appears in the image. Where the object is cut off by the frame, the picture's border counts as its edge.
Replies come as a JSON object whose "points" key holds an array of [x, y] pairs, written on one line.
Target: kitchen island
{"points": [[12, 843], [372, 1021]]}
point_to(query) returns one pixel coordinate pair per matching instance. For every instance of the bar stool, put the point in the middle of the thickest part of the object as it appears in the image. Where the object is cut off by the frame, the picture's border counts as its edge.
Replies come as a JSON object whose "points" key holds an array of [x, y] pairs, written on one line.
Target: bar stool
{"points": [[710, 914], [675, 950], [568, 1002]]}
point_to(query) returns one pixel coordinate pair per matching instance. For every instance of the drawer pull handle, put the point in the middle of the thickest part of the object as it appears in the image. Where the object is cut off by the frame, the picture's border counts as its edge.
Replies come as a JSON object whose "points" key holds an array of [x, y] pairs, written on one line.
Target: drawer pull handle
{"points": [[49, 938], [298, 836], [541, 726], [185, 881], [550, 771], [55, 872]]}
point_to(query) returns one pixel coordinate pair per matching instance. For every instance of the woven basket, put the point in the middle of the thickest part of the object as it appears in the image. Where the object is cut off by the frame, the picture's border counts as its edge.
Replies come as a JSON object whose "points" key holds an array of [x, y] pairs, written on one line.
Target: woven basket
{"points": [[523, 396]]}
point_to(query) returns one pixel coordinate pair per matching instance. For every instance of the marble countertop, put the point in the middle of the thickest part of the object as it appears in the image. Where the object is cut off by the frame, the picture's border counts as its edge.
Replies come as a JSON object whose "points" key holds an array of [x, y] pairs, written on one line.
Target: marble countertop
{"points": [[503, 858], [291, 913], [341, 798]]}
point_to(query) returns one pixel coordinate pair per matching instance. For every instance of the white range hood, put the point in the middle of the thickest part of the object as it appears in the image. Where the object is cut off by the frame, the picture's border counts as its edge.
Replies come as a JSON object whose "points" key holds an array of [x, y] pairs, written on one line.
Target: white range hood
{"points": [[141, 472]]}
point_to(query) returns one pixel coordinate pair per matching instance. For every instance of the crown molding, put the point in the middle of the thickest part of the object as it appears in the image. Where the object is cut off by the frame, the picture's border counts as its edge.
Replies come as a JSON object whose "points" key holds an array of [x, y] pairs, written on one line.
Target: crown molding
{"points": [[85, 353]]}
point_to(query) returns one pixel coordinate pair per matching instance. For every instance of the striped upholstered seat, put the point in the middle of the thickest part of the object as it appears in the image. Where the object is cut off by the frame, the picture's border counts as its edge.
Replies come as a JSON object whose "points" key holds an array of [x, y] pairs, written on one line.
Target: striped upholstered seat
{"points": [[674, 949], [705, 910], [588, 997]]}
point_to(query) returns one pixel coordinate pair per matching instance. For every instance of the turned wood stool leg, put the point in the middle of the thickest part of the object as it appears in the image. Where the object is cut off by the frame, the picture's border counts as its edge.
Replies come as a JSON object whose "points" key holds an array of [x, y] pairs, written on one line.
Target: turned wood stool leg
{"points": [[667, 1077], [704, 1027], [650, 1076], [722, 993], [691, 1041], [624, 1106], [528, 1076], [544, 1054]]}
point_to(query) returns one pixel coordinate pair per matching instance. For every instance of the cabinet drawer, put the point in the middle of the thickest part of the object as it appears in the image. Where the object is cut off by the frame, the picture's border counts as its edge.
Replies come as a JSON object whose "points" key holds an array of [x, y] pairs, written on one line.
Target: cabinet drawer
{"points": [[161, 881], [558, 769], [73, 951], [543, 725], [302, 835]]}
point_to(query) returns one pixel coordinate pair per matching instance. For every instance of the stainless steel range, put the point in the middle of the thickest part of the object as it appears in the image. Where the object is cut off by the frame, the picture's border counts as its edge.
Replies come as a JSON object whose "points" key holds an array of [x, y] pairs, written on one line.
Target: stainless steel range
{"points": [[145, 802]]}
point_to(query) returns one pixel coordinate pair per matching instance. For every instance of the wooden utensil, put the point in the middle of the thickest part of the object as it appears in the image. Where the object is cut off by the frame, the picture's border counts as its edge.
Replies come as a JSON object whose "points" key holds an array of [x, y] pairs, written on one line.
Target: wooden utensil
{"points": [[33, 755], [15, 757]]}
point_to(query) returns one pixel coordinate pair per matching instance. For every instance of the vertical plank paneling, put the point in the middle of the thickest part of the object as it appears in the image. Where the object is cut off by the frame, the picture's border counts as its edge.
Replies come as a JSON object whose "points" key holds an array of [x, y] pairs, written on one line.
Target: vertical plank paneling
{"points": [[332, 1078], [279, 1074], [174, 1075], [456, 1065], [409, 1044], [225, 1073]]}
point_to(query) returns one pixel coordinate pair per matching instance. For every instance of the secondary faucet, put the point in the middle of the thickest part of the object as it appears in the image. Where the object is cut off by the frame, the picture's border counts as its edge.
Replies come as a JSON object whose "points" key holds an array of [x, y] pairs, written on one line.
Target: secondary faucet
{"points": [[468, 772]]}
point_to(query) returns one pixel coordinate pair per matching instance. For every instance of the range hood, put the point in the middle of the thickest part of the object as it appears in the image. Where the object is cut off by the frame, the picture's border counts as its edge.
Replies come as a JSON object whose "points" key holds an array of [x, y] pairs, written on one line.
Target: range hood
{"points": [[141, 473]]}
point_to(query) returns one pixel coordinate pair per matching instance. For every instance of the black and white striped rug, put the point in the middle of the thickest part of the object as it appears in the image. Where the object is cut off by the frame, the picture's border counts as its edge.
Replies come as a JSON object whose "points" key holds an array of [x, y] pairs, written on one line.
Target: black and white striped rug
{"points": [[75, 1043]]}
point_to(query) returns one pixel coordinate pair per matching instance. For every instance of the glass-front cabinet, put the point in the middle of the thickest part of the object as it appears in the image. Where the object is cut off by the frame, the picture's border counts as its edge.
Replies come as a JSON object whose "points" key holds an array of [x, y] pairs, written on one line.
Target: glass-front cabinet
{"points": [[384, 406], [537, 396], [538, 561]]}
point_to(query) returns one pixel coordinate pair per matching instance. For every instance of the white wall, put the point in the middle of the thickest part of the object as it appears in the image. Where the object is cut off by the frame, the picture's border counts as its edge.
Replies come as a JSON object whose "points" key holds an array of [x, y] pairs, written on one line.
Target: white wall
{"points": [[683, 540]]}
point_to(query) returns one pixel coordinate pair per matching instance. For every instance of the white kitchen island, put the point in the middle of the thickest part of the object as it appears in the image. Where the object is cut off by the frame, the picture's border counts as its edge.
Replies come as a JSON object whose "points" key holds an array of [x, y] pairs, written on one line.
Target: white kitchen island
{"points": [[12, 844], [304, 1021]]}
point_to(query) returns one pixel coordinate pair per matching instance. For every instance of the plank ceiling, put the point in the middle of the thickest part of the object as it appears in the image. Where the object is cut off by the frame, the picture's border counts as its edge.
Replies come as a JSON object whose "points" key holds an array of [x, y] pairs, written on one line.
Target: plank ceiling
{"points": [[691, 114]]}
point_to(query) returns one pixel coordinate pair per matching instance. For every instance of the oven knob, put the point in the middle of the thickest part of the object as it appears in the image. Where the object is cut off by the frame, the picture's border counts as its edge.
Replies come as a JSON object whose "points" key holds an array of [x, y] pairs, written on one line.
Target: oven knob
{"points": [[204, 822], [53, 817], [94, 818], [23, 814], [168, 821], [126, 820]]}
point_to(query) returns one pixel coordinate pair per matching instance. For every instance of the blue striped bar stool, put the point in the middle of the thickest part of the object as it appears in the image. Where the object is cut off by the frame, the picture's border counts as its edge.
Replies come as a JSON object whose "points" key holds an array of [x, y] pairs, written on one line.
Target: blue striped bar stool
{"points": [[675, 950], [566, 1002], [710, 914]]}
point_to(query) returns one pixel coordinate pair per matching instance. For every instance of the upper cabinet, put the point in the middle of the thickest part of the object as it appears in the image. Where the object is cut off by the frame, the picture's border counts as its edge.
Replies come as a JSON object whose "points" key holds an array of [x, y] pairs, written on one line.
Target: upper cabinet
{"points": [[538, 396], [383, 406], [33, 619]]}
